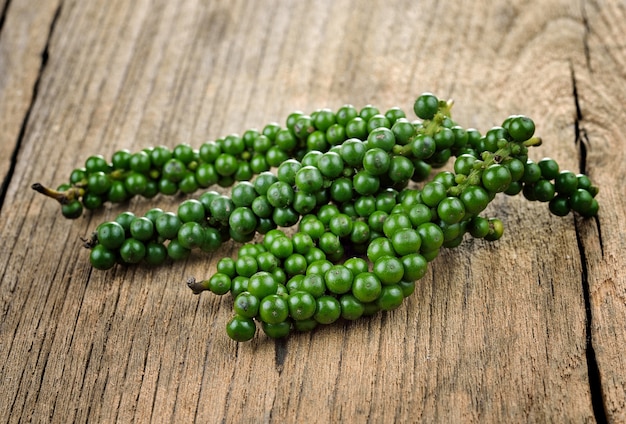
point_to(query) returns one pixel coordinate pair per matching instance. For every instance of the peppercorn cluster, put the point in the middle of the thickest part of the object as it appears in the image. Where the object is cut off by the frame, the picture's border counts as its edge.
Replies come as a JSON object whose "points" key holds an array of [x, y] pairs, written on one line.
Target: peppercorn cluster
{"points": [[347, 180]]}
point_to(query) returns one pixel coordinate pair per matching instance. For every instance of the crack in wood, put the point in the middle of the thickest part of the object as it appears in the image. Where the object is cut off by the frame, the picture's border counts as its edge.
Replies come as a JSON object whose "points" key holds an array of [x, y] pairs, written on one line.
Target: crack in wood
{"points": [[580, 133], [587, 26], [581, 140], [20, 138], [593, 371], [3, 15]]}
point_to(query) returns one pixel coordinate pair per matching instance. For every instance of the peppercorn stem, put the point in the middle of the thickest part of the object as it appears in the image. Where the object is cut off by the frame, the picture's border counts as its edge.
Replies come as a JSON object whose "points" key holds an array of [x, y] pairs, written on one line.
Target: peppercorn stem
{"points": [[63, 197], [533, 142], [196, 287], [432, 126]]}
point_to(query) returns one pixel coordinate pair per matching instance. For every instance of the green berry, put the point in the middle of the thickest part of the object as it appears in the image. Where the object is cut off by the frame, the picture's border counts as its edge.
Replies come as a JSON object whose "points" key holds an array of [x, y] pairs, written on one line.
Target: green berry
{"points": [[365, 183], [351, 307], [191, 210], [102, 258], [243, 220], [191, 235], [433, 193], [475, 199], [388, 269], [98, 182], [357, 128], [345, 114], [581, 201], [314, 284], [111, 235], [415, 266], [566, 183], [168, 224], [376, 161], [240, 329], [366, 287], [352, 152], [273, 309], [246, 266], [381, 138], [391, 297], [431, 235], [142, 228], [406, 241], [309, 179], [559, 205], [276, 331], [496, 178], [521, 128], [246, 305], [451, 210], [328, 310], [262, 284], [543, 191], [549, 168], [302, 305], [330, 164], [338, 279], [426, 106], [156, 253], [132, 251], [280, 194], [220, 284], [96, 163]]}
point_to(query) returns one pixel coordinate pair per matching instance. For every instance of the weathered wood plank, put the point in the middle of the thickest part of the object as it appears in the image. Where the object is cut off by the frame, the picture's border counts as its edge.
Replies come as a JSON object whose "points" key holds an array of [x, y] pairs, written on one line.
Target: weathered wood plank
{"points": [[495, 332], [601, 88], [23, 42]]}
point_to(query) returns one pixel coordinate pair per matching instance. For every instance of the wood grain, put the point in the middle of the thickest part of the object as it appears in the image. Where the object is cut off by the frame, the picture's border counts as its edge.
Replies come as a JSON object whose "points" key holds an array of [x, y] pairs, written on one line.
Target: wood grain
{"points": [[23, 44], [528, 329]]}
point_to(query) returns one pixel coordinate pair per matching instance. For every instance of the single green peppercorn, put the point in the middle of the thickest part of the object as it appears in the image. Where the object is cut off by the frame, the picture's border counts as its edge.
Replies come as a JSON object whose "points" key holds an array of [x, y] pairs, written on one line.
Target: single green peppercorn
{"points": [[309, 179], [241, 329], [521, 128], [496, 178], [262, 284], [302, 305], [426, 106], [566, 183], [142, 228], [246, 305], [328, 310], [388, 269], [191, 235], [357, 128], [338, 279], [549, 168], [543, 191], [132, 251], [391, 297], [415, 266], [366, 287], [102, 258], [111, 235], [382, 138], [345, 114], [273, 309], [220, 284]]}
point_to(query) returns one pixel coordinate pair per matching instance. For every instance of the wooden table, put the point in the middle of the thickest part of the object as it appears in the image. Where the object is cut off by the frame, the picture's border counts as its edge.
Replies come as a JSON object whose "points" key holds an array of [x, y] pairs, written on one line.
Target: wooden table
{"points": [[528, 329]]}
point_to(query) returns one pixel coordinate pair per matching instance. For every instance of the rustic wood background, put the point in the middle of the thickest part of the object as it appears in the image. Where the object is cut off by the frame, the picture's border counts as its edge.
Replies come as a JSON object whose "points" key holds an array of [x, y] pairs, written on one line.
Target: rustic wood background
{"points": [[529, 329]]}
